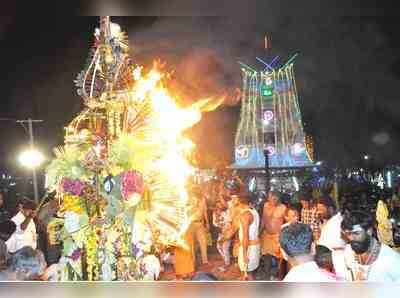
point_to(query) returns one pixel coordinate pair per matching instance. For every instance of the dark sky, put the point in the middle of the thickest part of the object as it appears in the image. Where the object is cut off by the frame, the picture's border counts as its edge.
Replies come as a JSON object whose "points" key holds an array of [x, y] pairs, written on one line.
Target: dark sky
{"points": [[348, 72]]}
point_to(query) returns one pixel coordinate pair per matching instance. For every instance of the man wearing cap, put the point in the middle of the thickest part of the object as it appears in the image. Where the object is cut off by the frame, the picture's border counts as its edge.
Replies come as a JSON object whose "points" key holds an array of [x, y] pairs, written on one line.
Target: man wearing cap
{"points": [[25, 233]]}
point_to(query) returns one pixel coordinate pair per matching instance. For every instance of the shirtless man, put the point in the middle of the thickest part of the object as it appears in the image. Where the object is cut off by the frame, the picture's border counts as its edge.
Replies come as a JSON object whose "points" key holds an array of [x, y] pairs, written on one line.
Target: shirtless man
{"points": [[200, 224], [272, 220], [247, 226]]}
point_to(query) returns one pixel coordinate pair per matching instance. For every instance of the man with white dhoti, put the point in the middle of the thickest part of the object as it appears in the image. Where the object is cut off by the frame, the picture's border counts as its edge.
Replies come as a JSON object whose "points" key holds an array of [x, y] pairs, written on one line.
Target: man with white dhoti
{"points": [[332, 238], [248, 228]]}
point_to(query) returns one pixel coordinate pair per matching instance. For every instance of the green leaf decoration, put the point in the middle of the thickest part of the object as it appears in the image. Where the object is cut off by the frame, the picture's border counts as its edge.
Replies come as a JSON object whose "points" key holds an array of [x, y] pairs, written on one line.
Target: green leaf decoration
{"points": [[83, 220], [67, 164], [68, 246]]}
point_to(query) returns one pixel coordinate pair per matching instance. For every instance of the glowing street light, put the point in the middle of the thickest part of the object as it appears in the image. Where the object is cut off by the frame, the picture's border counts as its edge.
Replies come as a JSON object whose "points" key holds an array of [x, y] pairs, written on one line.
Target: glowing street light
{"points": [[31, 158], [366, 157]]}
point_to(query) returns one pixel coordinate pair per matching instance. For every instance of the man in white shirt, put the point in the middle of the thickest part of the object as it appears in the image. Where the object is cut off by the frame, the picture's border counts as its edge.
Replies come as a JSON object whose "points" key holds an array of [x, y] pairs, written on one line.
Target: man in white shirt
{"points": [[25, 233], [367, 258], [331, 237], [296, 241]]}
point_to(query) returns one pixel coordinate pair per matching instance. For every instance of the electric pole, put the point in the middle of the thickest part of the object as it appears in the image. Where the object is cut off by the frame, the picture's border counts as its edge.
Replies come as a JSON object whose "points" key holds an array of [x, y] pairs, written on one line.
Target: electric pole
{"points": [[267, 173], [31, 143]]}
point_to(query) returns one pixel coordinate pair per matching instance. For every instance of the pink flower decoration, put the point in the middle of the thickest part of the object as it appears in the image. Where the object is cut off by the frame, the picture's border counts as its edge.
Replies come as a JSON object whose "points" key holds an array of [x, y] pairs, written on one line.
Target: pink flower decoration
{"points": [[71, 186], [131, 182], [76, 254]]}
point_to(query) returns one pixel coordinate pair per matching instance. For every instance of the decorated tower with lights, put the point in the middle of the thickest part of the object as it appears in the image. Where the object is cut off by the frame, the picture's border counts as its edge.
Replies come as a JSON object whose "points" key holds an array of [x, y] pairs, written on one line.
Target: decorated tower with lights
{"points": [[270, 119], [272, 149]]}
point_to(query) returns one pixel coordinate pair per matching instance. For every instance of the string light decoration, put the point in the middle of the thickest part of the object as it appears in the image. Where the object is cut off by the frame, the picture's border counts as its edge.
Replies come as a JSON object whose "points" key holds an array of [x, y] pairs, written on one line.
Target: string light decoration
{"points": [[271, 117]]}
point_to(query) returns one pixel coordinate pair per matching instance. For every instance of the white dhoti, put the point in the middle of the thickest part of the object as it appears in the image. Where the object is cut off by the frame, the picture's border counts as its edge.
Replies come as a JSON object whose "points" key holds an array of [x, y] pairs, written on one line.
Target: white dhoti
{"points": [[253, 255]]}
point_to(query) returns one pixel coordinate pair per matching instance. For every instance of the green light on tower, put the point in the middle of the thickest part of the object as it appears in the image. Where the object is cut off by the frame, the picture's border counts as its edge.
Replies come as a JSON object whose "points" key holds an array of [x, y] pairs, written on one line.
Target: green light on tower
{"points": [[267, 90]]}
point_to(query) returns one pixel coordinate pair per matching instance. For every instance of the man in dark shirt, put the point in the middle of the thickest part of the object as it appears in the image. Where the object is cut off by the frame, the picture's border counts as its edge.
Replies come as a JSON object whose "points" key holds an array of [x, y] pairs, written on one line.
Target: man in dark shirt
{"points": [[4, 215], [7, 228]]}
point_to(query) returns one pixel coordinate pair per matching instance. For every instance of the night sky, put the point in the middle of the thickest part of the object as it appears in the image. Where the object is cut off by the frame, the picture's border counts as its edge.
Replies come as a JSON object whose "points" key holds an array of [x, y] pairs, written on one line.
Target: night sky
{"points": [[348, 73]]}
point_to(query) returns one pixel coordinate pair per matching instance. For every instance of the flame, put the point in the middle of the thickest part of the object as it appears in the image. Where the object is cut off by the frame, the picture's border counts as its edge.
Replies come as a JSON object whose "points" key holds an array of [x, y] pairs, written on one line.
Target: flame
{"points": [[168, 123]]}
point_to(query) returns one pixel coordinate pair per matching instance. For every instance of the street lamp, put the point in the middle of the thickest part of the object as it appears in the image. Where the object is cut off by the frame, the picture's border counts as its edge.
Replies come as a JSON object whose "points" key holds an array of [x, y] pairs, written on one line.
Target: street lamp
{"points": [[267, 173], [31, 158], [366, 157]]}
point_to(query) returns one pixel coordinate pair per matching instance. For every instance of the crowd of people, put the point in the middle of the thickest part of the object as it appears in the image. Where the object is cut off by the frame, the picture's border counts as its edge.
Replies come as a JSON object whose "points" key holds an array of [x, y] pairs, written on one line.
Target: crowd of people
{"points": [[302, 238], [308, 238]]}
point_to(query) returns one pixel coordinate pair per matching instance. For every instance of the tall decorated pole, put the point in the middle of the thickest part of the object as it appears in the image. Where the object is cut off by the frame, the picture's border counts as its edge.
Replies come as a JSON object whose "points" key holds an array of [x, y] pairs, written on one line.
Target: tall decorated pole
{"points": [[122, 172], [106, 54]]}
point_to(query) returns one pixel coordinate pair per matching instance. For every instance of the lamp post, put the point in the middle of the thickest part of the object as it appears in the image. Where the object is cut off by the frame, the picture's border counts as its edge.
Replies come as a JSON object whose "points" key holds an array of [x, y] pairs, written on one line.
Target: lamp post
{"points": [[266, 168], [32, 158]]}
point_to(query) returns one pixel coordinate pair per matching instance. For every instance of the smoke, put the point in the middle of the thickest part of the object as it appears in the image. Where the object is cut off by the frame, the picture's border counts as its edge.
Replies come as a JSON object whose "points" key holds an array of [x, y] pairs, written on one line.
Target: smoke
{"points": [[202, 52], [347, 72], [381, 138], [346, 89]]}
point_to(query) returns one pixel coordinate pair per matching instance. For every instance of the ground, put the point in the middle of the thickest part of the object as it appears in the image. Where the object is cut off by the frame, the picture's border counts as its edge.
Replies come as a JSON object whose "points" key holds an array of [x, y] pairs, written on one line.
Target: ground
{"points": [[215, 262]]}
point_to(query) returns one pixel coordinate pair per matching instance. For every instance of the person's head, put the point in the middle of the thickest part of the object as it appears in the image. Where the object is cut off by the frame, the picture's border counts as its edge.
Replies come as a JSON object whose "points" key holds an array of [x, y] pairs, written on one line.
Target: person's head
{"points": [[7, 228], [221, 205], [1, 200], [27, 207], [233, 186], [357, 226], [244, 199], [273, 197], [322, 209], [234, 201], [323, 258], [293, 213], [296, 240], [305, 201], [28, 263], [204, 276], [346, 205], [395, 220]]}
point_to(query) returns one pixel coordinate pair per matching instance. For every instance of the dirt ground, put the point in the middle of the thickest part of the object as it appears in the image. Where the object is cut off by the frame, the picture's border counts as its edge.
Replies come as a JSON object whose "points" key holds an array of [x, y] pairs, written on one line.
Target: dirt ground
{"points": [[232, 273]]}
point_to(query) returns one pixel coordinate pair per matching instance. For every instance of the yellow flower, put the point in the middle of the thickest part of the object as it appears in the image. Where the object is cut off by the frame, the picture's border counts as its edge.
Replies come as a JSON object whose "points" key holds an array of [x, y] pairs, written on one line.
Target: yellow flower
{"points": [[72, 203]]}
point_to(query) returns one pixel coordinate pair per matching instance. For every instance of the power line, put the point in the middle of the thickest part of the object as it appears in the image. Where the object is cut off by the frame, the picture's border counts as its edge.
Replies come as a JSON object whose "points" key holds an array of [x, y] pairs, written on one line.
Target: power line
{"points": [[31, 143]]}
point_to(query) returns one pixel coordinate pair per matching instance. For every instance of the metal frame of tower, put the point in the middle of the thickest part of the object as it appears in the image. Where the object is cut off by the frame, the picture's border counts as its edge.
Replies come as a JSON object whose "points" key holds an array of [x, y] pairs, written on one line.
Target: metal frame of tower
{"points": [[283, 133]]}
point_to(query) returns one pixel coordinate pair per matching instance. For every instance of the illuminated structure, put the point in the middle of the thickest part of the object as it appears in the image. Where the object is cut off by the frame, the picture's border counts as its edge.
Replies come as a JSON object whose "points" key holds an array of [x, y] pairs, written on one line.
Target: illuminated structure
{"points": [[270, 120]]}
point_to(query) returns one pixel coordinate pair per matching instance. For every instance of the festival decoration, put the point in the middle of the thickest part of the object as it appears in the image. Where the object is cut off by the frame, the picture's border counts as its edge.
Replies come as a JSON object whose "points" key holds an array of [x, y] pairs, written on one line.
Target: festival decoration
{"points": [[123, 170], [268, 116], [384, 228], [271, 117]]}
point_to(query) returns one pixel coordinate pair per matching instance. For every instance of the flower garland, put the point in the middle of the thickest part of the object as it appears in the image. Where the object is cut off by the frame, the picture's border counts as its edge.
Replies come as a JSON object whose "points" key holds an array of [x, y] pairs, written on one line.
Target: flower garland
{"points": [[91, 254]]}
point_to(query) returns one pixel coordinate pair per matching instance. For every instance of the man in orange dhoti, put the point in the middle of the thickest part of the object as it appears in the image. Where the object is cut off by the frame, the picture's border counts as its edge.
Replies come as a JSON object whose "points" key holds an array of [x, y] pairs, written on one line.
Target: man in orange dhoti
{"points": [[272, 220], [185, 258]]}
